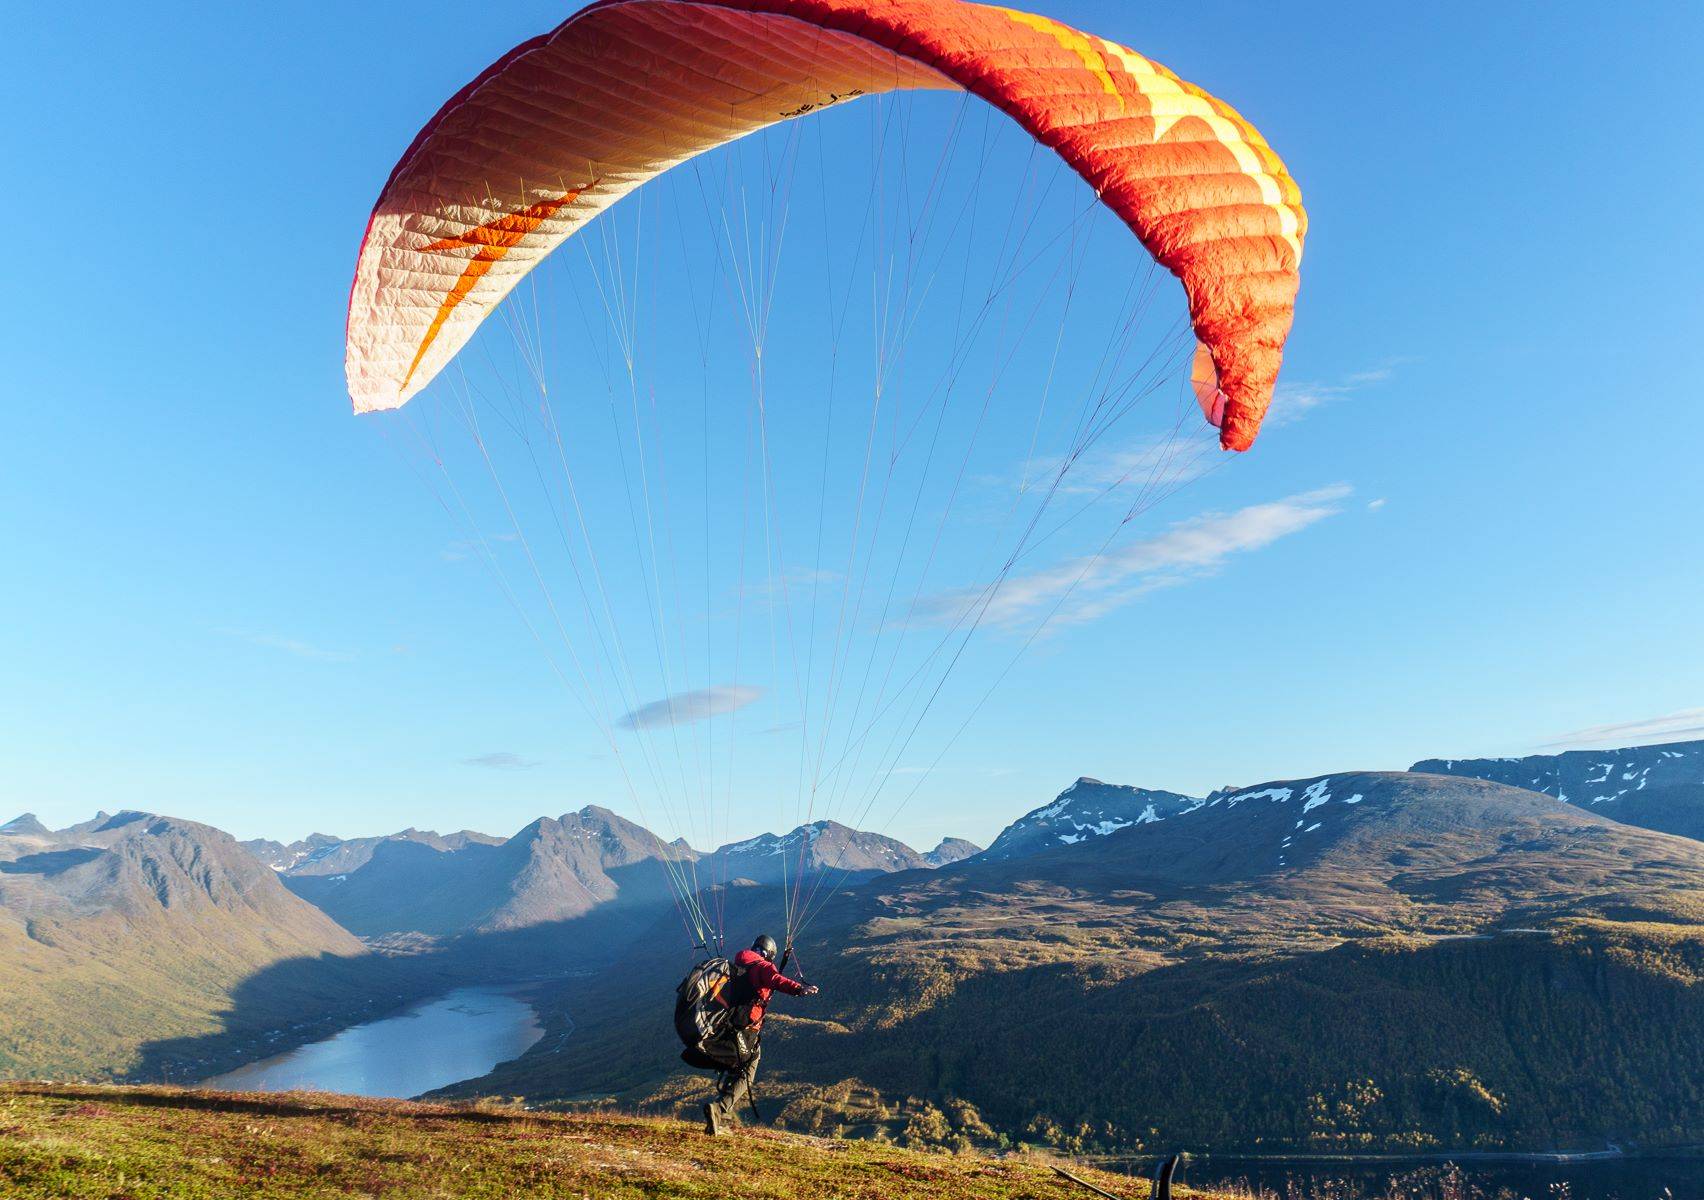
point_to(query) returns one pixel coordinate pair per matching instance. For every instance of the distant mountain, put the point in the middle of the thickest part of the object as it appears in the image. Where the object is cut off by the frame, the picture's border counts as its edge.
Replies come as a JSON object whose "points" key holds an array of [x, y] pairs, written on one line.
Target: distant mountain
{"points": [[25, 823], [560, 869], [1654, 787], [339, 857], [100, 818], [1342, 856], [116, 933], [1087, 809], [281, 857], [823, 847], [323, 854], [1348, 962], [951, 850], [553, 870]]}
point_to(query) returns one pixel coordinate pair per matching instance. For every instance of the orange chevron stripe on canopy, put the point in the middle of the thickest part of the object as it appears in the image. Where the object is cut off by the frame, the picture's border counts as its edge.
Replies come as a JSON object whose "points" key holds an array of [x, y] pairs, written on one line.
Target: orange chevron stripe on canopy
{"points": [[566, 124]]}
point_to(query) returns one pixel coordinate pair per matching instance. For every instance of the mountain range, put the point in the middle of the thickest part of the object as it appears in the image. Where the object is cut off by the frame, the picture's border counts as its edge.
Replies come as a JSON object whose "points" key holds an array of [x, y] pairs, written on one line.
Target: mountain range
{"points": [[323, 854], [558, 869], [1349, 962], [1398, 960]]}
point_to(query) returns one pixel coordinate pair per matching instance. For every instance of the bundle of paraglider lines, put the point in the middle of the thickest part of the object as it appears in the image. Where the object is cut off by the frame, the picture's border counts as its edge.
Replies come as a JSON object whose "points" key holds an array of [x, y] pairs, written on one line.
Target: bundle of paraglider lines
{"points": [[549, 137]]}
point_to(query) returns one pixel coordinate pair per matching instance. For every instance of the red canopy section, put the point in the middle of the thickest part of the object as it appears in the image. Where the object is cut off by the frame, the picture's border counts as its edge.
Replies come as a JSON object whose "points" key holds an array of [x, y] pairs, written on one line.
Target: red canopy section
{"points": [[565, 125]]}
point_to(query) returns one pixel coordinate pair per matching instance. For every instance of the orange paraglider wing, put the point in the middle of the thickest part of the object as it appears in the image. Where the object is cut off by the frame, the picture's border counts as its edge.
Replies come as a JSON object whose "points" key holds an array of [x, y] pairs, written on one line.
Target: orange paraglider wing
{"points": [[566, 124]]}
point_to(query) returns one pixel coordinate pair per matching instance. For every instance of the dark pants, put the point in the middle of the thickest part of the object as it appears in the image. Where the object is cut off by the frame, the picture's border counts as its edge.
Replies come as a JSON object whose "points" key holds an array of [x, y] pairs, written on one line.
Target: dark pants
{"points": [[740, 1051]]}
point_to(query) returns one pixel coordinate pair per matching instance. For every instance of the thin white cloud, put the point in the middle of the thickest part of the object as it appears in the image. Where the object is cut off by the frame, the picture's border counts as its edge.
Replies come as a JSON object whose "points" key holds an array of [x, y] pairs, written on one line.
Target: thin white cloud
{"points": [[291, 646], [1149, 462], [684, 708], [500, 760], [1083, 589], [1676, 726], [1375, 505], [1293, 401]]}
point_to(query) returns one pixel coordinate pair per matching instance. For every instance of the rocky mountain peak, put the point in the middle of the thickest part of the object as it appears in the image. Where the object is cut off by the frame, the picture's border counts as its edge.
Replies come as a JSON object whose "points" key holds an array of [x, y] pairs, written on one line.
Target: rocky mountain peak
{"points": [[951, 850], [1087, 809]]}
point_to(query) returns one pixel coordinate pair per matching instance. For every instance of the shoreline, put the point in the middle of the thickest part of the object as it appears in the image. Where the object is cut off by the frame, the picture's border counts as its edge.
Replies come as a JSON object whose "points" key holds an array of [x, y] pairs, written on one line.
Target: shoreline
{"points": [[526, 991]]}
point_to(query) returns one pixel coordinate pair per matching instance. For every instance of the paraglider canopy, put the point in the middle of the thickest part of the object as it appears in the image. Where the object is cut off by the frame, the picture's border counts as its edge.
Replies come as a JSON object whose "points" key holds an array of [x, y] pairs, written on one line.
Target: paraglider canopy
{"points": [[564, 125], [867, 549]]}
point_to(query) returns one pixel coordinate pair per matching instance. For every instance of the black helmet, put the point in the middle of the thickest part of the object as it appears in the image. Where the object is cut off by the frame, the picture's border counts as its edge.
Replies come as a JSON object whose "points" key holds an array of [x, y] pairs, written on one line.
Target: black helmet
{"points": [[765, 945]]}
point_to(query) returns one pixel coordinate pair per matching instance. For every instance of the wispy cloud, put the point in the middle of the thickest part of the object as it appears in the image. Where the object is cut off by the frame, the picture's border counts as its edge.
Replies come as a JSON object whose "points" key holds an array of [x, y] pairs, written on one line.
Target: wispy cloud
{"points": [[500, 760], [291, 646], [1149, 462], [1375, 505], [1675, 726], [684, 708], [1293, 401], [1083, 589]]}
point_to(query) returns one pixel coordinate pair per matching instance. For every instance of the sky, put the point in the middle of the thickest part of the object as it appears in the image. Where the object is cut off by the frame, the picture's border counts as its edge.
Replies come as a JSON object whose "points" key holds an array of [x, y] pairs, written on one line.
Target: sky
{"points": [[1471, 529]]}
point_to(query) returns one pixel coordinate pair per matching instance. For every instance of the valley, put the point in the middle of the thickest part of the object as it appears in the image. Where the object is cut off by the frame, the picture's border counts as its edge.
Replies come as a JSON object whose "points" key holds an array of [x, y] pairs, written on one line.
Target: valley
{"points": [[1395, 962]]}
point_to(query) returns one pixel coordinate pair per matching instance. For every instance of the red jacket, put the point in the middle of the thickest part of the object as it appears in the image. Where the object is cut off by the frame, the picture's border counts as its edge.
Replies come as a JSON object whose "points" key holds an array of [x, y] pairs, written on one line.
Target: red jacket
{"points": [[761, 980]]}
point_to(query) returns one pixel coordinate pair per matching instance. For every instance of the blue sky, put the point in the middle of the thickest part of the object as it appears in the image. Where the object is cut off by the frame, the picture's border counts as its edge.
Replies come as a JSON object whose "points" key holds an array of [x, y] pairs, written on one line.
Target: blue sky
{"points": [[1476, 533]]}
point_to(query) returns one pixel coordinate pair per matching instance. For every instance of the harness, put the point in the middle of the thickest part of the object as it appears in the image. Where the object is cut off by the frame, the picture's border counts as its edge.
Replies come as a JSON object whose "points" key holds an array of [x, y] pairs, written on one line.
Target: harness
{"points": [[714, 1007], [739, 994]]}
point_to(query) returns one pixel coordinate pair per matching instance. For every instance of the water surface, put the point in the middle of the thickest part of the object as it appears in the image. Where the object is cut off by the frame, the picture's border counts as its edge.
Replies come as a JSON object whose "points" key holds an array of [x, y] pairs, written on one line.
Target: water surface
{"points": [[460, 1035]]}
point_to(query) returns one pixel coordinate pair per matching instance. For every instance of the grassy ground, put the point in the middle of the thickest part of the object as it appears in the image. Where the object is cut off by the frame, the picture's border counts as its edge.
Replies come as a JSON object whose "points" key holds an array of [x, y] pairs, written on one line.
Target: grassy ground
{"points": [[142, 1143]]}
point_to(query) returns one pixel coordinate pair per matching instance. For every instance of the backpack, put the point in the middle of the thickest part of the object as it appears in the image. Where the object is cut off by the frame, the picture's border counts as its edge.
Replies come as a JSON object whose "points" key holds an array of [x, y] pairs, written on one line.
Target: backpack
{"points": [[702, 1015]]}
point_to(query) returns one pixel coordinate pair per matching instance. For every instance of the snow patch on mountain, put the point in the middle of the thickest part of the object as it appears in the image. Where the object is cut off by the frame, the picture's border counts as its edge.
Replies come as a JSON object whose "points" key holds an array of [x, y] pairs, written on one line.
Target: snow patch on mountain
{"points": [[1656, 787], [1598, 775], [1087, 810], [1276, 794]]}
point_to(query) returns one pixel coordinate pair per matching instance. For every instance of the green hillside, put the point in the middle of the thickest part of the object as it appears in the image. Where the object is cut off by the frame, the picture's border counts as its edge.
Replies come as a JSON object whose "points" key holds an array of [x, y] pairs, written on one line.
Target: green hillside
{"points": [[1392, 961], [143, 929], [164, 1144]]}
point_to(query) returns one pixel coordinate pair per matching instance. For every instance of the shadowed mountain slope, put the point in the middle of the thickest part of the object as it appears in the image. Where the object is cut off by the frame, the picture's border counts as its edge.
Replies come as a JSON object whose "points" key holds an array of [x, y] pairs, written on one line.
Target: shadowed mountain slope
{"points": [[558, 869], [1366, 960], [322, 854], [552, 870], [135, 928]]}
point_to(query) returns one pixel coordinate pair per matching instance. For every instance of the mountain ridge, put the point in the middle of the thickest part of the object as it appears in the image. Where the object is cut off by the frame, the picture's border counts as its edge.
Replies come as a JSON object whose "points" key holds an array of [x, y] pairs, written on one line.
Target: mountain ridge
{"points": [[1658, 787], [1394, 907], [1086, 809], [148, 920], [557, 869]]}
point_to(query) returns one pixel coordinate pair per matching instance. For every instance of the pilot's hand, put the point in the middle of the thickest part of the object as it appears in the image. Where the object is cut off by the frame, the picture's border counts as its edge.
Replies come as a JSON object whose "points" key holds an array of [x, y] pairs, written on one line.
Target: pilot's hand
{"points": [[811, 989]]}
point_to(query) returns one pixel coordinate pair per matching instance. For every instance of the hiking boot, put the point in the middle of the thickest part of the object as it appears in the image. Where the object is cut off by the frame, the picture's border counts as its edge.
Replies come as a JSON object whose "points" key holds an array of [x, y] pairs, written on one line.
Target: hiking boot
{"points": [[713, 1119]]}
